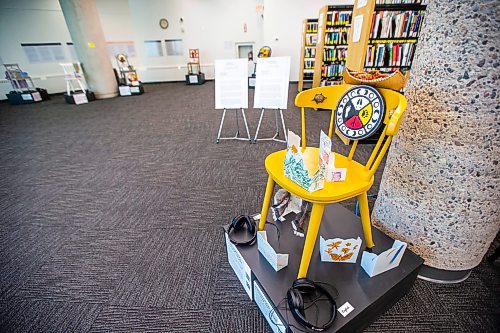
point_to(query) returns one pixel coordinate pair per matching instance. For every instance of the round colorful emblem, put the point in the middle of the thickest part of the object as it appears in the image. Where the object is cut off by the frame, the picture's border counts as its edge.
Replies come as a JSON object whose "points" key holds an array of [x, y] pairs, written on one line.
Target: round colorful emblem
{"points": [[360, 112]]}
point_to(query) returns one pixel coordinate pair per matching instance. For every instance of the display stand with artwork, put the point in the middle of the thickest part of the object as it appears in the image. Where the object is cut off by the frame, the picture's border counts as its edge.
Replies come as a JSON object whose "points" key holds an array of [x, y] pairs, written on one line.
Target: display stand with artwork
{"points": [[24, 90], [76, 90], [128, 82], [194, 75]]}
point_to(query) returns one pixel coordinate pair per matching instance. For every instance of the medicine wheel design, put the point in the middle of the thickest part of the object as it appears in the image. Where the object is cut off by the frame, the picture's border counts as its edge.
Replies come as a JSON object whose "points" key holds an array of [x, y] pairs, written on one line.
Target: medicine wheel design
{"points": [[360, 112]]}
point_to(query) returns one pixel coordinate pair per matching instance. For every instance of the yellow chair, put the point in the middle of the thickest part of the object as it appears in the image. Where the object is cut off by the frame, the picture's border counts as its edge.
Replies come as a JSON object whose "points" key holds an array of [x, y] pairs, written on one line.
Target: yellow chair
{"points": [[359, 178]]}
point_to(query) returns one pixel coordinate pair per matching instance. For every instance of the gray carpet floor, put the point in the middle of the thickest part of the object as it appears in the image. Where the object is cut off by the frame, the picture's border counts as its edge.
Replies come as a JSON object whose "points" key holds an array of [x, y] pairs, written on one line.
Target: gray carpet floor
{"points": [[110, 217]]}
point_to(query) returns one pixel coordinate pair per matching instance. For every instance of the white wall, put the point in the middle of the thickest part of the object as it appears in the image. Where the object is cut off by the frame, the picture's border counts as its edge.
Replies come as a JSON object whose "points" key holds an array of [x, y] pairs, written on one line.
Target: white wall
{"points": [[283, 26], [214, 27], [25, 21]]}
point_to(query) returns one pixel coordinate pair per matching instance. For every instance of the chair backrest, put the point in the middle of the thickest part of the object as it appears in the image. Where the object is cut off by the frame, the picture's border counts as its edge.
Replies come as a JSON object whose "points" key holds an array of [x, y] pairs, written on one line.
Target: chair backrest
{"points": [[328, 98]]}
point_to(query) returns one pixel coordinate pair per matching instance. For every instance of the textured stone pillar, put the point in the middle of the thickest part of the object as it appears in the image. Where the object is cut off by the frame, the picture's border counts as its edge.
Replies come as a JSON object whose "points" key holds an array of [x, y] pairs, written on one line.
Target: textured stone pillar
{"points": [[440, 188], [85, 29]]}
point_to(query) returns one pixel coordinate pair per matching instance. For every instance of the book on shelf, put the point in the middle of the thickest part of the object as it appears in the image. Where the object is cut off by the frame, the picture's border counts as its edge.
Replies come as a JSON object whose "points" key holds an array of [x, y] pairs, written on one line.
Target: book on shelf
{"points": [[338, 17], [336, 36], [396, 24], [311, 27], [389, 55], [308, 65], [335, 54], [333, 70], [311, 39], [309, 52], [401, 2]]}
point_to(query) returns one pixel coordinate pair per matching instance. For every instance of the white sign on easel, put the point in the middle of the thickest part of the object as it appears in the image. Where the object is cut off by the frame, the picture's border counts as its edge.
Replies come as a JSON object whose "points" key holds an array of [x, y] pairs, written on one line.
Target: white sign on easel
{"points": [[231, 84], [271, 90], [231, 91], [271, 85]]}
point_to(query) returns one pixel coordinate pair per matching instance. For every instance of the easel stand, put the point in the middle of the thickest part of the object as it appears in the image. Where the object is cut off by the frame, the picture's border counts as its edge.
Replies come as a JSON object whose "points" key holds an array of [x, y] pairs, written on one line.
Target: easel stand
{"points": [[277, 134], [237, 135]]}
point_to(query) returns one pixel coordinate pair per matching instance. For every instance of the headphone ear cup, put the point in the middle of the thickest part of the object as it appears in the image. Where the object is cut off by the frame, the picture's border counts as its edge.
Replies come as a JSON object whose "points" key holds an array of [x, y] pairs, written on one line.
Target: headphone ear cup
{"points": [[296, 300], [250, 224]]}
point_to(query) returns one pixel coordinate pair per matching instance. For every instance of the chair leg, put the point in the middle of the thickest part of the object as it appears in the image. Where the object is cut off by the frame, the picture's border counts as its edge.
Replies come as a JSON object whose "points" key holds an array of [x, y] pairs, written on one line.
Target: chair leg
{"points": [[266, 203], [365, 219], [311, 235]]}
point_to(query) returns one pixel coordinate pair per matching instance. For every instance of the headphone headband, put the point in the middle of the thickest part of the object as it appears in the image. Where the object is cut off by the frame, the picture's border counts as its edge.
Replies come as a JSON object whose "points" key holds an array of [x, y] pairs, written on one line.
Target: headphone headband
{"points": [[239, 222], [295, 302]]}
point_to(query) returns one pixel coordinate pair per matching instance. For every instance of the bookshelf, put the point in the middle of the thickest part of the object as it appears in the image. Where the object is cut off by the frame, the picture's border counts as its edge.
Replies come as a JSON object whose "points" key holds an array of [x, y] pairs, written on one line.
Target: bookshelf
{"points": [[394, 32], [308, 52], [331, 50]]}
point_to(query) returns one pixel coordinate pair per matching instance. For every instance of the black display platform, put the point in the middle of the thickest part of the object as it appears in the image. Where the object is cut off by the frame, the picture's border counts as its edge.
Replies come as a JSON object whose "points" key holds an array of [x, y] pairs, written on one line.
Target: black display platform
{"points": [[195, 79], [70, 99], [134, 90], [370, 297], [28, 97]]}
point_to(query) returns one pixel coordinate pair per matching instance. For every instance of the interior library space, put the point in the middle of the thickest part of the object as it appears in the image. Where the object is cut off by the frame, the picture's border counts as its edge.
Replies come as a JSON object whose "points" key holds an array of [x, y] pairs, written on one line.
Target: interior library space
{"points": [[249, 166]]}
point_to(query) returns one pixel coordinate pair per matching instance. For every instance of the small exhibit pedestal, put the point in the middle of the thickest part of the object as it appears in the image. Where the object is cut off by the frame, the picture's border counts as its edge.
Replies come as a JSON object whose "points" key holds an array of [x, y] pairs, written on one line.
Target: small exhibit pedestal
{"points": [[131, 90], [80, 97], [367, 297], [195, 79], [27, 97]]}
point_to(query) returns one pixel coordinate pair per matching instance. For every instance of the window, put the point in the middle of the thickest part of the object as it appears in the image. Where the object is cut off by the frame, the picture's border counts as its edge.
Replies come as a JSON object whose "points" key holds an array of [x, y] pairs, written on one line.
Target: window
{"points": [[153, 48], [39, 53], [174, 47], [126, 47]]}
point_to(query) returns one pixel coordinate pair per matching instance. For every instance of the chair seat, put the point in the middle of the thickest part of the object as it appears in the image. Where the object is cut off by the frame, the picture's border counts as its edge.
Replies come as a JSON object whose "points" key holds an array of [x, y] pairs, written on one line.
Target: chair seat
{"points": [[357, 180]]}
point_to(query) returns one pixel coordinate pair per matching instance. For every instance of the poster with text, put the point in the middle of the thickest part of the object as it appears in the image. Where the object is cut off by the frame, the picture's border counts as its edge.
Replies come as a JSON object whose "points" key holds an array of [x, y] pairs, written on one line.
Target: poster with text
{"points": [[271, 86], [231, 84]]}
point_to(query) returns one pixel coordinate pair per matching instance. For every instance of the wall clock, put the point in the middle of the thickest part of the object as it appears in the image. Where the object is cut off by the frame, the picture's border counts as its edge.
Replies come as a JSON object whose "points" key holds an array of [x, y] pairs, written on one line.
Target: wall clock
{"points": [[163, 23], [360, 112]]}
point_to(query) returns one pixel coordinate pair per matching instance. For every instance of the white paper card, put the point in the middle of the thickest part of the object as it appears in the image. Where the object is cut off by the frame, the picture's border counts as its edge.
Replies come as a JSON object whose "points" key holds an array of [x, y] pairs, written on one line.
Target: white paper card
{"points": [[375, 264], [345, 309], [361, 3], [268, 310], [80, 98], [125, 91], [231, 84], [193, 78], [27, 97], [36, 96], [272, 81], [276, 260], [135, 89], [358, 25], [239, 265], [335, 174], [339, 250]]}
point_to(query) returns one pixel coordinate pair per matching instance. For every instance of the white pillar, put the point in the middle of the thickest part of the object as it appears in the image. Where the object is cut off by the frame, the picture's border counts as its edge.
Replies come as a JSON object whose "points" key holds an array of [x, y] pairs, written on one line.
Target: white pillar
{"points": [[85, 29]]}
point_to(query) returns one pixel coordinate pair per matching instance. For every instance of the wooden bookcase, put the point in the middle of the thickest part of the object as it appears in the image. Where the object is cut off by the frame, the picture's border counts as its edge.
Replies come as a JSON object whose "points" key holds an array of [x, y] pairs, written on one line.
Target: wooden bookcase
{"points": [[394, 33], [331, 49], [308, 52]]}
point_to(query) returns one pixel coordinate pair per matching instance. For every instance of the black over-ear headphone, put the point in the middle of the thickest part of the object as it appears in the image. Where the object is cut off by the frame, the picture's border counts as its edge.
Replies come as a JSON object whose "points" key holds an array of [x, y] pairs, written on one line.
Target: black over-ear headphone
{"points": [[296, 302], [239, 222]]}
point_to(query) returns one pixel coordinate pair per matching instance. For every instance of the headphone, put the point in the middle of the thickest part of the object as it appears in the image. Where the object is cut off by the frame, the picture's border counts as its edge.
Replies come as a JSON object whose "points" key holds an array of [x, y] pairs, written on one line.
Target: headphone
{"points": [[296, 304], [239, 222]]}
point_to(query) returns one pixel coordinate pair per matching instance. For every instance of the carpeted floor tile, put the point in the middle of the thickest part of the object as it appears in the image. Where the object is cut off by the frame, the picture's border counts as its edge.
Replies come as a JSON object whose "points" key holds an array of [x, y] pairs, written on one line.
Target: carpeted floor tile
{"points": [[176, 268]]}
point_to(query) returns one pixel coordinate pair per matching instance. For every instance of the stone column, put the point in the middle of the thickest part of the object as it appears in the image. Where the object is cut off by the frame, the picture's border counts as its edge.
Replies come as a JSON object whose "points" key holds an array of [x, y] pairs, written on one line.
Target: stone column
{"points": [[440, 188], [85, 29]]}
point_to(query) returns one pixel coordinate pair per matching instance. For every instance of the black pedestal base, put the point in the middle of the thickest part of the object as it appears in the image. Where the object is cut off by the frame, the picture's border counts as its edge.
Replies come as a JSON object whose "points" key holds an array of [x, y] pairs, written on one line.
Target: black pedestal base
{"points": [[134, 90], [195, 79], [370, 297], [70, 99], [28, 97]]}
